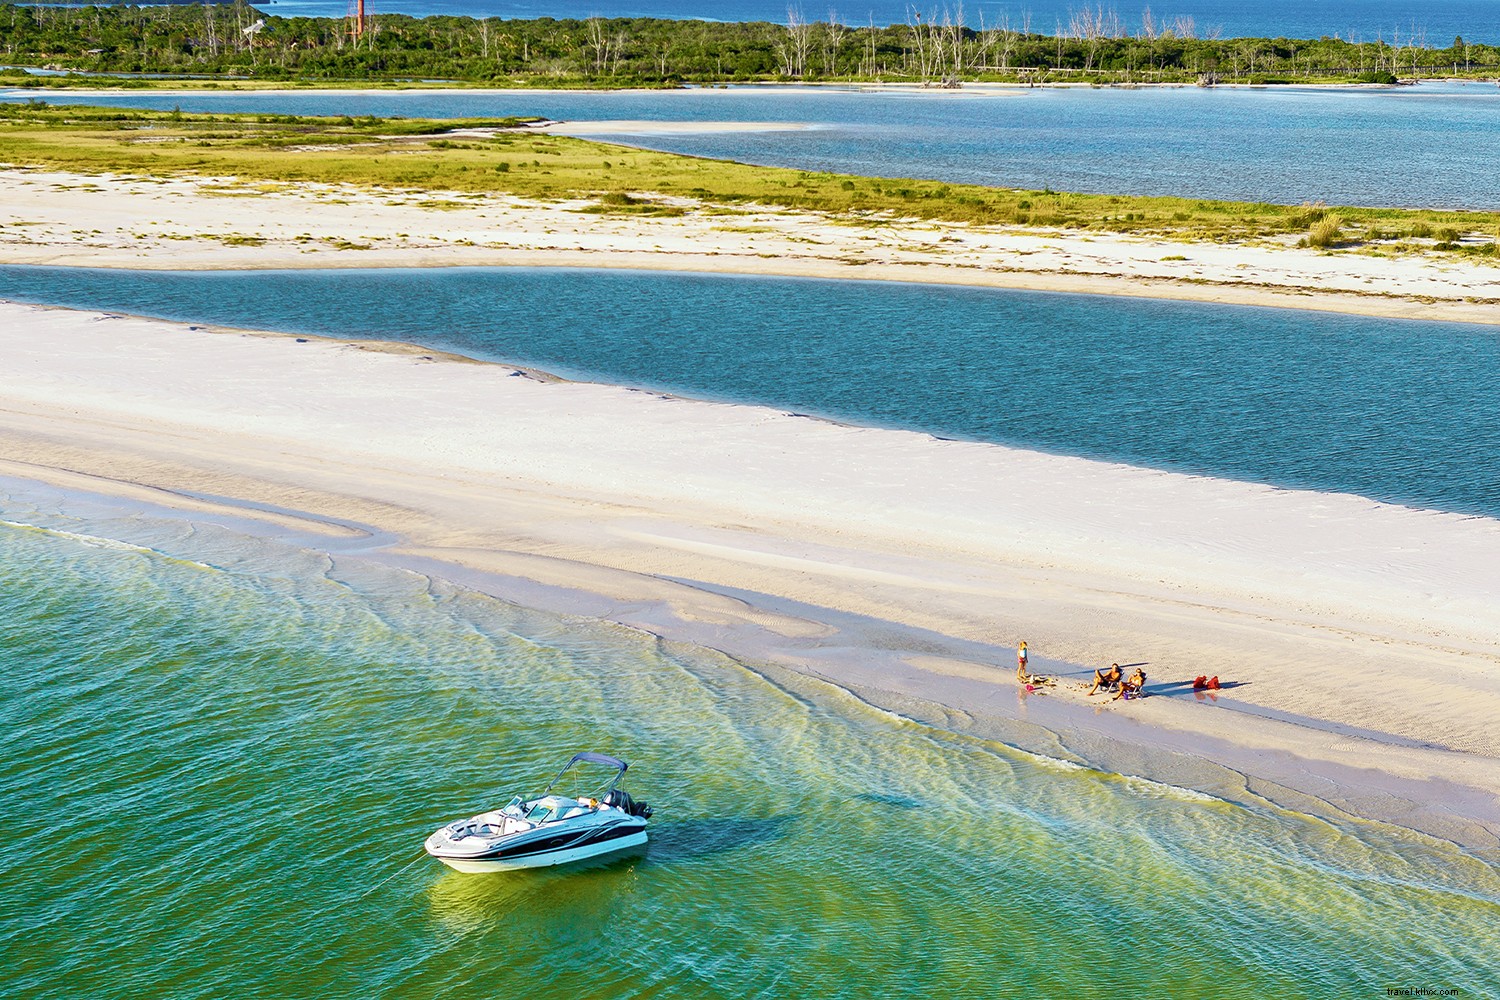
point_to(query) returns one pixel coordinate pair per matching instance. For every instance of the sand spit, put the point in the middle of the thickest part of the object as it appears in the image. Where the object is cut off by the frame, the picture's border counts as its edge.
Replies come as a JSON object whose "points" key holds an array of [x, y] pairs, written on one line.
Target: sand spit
{"points": [[179, 223], [1360, 638]]}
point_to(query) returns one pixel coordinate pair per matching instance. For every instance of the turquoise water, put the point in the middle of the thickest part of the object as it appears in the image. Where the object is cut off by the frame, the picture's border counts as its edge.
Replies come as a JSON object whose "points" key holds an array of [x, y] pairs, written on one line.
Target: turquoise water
{"points": [[220, 754], [1434, 145], [1402, 411]]}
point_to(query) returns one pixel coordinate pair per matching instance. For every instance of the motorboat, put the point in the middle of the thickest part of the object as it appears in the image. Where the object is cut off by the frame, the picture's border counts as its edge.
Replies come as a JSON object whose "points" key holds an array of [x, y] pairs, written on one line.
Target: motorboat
{"points": [[547, 829]]}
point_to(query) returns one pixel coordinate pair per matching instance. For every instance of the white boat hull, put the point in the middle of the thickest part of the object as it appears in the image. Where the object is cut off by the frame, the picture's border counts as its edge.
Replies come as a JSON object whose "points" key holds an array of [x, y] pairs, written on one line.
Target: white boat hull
{"points": [[545, 859], [548, 829]]}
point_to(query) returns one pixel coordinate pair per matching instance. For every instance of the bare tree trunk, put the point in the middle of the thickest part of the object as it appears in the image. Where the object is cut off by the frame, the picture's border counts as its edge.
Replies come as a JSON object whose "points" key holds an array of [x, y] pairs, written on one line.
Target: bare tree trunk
{"points": [[619, 50], [921, 39], [599, 43], [834, 39], [955, 33], [799, 40], [213, 33]]}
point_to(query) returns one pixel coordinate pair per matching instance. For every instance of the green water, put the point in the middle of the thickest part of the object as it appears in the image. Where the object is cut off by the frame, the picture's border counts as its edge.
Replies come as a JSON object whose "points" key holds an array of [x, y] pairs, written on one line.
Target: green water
{"points": [[219, 754]]}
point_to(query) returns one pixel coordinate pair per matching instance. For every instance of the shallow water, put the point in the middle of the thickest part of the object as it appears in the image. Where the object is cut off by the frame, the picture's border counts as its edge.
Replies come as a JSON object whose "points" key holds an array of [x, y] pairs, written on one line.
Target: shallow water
{"points": [[1433, 145], [219, 755], [1401, 411]]}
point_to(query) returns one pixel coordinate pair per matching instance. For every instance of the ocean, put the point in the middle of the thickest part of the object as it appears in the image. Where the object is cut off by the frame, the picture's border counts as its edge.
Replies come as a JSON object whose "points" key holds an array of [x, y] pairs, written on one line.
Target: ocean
{"points": [[222, 748], [221, 754]]}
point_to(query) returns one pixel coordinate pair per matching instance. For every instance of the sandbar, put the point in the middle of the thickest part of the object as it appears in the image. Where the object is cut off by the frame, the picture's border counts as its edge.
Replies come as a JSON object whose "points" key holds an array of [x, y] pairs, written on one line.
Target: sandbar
{"points": [[1358, 641], [50, 217]]}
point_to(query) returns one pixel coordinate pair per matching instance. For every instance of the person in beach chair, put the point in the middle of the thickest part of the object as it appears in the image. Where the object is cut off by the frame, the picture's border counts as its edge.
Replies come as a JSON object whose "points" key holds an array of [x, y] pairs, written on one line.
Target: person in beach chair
{"points": [[1133, 687], [1106, 679]]}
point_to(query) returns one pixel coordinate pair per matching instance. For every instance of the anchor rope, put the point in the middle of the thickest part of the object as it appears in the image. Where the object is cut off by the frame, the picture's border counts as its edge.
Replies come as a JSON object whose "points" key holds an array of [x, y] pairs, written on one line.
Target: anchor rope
{"points": [[404, 868]]}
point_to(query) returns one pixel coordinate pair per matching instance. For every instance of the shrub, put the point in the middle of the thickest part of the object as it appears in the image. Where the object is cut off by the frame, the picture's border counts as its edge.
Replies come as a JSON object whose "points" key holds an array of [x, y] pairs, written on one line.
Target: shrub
{"points": [[1420, 230], [1325, 232]]}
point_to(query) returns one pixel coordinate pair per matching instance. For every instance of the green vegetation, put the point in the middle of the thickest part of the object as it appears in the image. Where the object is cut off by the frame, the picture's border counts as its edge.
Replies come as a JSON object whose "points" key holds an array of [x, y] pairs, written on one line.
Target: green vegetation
{"points": [[224, 41], [431, 157], [1325, 232]]}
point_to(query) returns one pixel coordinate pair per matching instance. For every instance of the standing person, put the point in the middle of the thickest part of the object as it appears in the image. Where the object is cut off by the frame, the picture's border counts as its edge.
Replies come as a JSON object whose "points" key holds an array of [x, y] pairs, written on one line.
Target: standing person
{"points": [[1021, 661]]}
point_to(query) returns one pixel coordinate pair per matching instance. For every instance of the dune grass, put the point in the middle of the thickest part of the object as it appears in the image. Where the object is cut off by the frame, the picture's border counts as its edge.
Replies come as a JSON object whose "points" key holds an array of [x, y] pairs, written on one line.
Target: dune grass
{"points": [[415, 155]]}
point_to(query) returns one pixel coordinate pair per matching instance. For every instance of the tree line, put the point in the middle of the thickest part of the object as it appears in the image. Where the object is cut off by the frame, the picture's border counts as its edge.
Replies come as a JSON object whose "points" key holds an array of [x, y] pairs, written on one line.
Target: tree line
{"points": [[937, 48]]}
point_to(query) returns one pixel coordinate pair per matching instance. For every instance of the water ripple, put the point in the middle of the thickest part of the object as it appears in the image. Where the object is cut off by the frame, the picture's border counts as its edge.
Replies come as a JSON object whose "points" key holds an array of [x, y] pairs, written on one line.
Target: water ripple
{"points": [[218, 780]]}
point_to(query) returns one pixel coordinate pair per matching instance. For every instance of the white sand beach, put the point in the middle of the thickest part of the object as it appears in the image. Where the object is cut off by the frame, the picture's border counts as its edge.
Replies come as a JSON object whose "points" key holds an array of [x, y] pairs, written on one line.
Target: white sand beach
{"points": [[1361, 640], [47, 217]]}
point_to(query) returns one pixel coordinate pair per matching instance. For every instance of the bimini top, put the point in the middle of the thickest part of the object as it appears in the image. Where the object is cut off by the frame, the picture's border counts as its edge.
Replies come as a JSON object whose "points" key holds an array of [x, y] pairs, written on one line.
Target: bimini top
{"points": [[599, 758]]}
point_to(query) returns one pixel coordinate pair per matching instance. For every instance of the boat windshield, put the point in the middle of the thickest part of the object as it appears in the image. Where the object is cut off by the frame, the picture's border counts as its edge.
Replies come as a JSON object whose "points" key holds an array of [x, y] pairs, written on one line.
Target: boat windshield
{"points": [[541, 811]]}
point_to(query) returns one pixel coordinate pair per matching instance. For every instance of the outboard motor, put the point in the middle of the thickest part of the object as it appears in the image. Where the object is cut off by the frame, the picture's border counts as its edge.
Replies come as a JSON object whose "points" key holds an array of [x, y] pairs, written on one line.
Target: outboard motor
{"points": [[620, 799]]}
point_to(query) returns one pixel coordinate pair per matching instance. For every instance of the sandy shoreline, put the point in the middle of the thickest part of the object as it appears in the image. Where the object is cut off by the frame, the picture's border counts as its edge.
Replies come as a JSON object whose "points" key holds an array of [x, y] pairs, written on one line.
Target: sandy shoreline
{"points": [[1362, 636], [104, 221]]}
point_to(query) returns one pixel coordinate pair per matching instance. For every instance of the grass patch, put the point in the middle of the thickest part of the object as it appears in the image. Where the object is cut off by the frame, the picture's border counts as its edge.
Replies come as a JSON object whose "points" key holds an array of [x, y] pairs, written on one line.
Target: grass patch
{"points": [[1326, 231], [401, 155]]}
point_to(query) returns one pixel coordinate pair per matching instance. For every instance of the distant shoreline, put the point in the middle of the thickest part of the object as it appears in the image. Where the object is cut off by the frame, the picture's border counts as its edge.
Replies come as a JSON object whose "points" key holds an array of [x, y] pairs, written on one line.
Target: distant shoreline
{"points": [[1093, 46]]}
